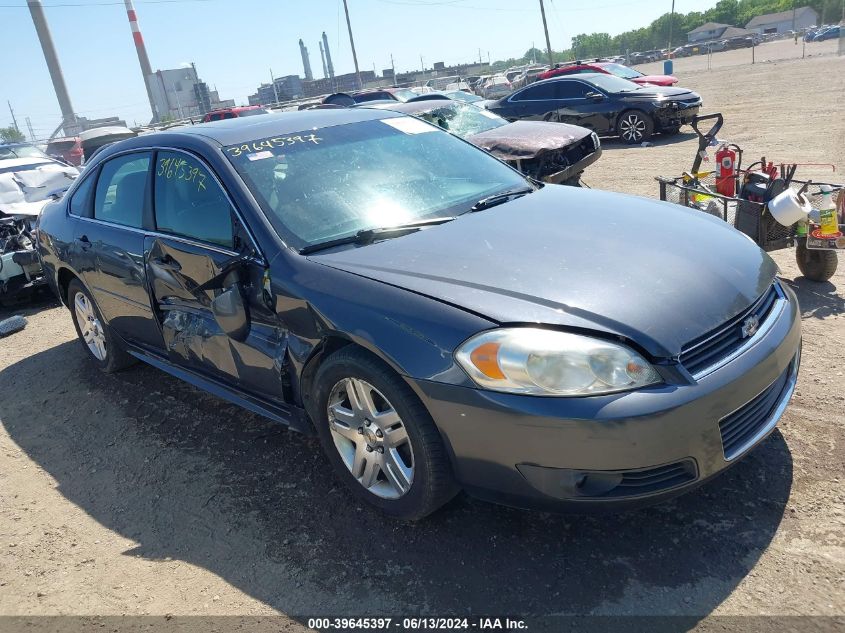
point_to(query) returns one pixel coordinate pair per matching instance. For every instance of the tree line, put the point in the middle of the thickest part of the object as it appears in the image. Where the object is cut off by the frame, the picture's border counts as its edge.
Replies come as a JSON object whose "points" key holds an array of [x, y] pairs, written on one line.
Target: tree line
{"points": [[657, 34]]}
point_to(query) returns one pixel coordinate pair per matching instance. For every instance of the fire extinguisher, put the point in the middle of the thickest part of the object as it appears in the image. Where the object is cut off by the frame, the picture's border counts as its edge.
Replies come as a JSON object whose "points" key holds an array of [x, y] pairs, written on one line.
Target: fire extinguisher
{"points": [[728, 157]]}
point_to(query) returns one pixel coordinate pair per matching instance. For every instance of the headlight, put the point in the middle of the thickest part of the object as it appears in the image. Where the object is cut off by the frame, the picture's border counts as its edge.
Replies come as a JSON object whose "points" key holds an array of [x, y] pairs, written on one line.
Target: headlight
{"points": [[661, 104], [549, 363]]}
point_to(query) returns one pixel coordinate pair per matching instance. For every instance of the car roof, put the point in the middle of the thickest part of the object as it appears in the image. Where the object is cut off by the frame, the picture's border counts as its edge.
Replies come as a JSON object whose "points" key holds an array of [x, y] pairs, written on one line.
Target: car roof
{"points": [[587, 76], [243, 129]]}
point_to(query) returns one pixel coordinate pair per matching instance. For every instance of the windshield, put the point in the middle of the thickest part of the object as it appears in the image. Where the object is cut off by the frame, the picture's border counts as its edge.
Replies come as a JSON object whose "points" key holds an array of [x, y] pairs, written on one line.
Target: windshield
{"points": [[622, 71], [463, 119], [329, 183], [460, 95], [612, 83], [21, 151]]}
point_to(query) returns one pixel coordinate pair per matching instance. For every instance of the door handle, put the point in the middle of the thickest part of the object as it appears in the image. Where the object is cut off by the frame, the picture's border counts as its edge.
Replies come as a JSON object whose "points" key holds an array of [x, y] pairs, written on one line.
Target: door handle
{"points": [[84, 242], [167, 262]]}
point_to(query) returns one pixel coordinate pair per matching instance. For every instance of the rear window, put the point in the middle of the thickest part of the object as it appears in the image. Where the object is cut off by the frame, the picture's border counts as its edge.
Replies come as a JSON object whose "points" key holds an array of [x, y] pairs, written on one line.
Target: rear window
{"points": [[60, 146], [252, 112], [120, 189]]}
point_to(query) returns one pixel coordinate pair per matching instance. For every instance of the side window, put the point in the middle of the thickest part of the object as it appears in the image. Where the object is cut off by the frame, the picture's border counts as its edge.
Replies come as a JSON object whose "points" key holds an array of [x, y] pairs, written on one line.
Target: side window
{"points": [[189, 202], [120, 189], [538, 92], [229, 115], [573, 90], [80, 202]]}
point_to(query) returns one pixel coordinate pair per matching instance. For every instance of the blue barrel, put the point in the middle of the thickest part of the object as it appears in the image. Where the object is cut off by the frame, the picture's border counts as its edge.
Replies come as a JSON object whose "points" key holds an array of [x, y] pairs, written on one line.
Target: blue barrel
{"points": [[667, 67]]}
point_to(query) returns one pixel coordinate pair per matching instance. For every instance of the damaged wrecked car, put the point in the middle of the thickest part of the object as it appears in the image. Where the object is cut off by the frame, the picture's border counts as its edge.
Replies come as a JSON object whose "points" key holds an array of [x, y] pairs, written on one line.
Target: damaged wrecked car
{"points": [[28, 180], [551, 152], [440, 321]]}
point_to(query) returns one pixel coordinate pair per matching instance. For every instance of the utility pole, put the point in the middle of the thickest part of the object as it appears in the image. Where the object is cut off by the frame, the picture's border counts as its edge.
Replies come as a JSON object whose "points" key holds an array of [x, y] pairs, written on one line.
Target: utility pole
{"points": [[546, 29], [422, 65], [793, 15], [273, 83], [671, 20], [69, 123], [393, 66], [352, 44], [14, 120], [31, 132]]}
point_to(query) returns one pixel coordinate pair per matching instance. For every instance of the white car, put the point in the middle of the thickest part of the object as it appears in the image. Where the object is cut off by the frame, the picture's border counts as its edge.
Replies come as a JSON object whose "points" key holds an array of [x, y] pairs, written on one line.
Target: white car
{"points": [[496, 87]]}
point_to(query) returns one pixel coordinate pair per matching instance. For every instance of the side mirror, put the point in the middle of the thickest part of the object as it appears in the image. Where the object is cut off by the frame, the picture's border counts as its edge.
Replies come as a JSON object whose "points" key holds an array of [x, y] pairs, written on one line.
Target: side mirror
{"points": [[230, 312], [595, 96]]}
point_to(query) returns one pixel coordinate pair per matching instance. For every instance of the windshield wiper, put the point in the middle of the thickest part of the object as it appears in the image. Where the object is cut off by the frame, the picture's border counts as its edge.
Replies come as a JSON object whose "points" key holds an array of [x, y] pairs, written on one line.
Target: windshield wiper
{"points": [[499, 198], [368, 236]]}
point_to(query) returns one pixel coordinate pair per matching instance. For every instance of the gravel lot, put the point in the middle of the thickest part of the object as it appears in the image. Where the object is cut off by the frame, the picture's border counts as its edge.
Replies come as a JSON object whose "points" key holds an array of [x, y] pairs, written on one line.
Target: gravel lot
{"points": [[136, 494]]}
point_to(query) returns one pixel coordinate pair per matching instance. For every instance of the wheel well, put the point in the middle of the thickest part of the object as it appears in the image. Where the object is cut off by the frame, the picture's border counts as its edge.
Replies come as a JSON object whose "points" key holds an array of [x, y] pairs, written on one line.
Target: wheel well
{"points": [[629, 110], [328, 347], [64, 279]]}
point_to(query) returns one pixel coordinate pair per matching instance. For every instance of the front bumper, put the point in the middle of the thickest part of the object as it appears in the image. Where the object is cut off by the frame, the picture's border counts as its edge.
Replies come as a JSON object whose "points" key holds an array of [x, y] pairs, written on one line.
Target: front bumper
{"points": [[672, 117], [620, 450], [20, 272], [573, 170]]}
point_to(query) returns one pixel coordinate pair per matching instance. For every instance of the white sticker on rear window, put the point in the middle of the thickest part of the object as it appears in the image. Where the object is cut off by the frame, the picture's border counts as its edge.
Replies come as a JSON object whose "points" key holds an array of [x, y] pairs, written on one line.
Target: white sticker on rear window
{"points": [[409, 125], [260, 155]]}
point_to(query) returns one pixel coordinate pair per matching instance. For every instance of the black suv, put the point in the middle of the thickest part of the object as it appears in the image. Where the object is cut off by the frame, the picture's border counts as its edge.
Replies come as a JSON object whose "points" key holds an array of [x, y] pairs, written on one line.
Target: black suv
{"points": [[605, 104]]}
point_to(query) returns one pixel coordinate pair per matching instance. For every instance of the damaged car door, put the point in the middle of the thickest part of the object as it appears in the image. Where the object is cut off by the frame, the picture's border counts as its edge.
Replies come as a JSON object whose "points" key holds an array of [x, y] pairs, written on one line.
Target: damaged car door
{"points": [[206, 277]]}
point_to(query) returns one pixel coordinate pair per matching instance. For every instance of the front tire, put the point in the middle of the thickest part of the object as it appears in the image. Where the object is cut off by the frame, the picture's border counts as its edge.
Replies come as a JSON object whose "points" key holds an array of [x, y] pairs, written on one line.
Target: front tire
{"points": [[634, 127], [379, 438], [95, 336], [816, 265]]}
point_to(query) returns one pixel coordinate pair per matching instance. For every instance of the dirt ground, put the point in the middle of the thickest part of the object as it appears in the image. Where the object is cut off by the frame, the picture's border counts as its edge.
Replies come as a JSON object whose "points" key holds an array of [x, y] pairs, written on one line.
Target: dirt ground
{"points": [[135, 493]]}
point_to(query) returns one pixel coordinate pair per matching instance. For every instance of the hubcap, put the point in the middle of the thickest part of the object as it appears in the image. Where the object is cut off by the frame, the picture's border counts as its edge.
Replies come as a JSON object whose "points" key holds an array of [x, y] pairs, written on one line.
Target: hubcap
{"points": [[632, 127], [371, 438], [90, 326]]}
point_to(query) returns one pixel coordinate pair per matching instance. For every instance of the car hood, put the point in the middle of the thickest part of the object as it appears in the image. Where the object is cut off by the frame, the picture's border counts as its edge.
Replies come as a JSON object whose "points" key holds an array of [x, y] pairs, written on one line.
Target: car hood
{"points": [[655, 273], [656, 80], [652, 92], [527, 139], [26, 188]]}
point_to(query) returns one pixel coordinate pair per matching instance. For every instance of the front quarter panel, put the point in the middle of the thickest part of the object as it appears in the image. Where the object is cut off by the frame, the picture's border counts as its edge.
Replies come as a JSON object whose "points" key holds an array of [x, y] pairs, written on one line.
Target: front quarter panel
{"points": [[416, 335]]}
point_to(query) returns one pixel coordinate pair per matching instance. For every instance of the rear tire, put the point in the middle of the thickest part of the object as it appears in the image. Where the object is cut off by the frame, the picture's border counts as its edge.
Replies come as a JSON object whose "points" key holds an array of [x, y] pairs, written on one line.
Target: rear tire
{"points": [[815, 265], [100, 344], [634, 126], [360, 404]]}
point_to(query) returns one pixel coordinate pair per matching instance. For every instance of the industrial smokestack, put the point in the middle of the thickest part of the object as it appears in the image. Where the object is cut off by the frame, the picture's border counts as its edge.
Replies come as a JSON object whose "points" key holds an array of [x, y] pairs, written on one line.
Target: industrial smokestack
{"points": [[306, 62], [69, 124], [323, 59], [328, 55], [146, 69]]}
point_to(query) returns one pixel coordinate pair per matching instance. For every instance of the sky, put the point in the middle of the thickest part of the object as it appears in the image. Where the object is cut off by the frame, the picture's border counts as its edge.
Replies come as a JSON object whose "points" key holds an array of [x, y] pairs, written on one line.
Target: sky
{"points": [[236, 43]]}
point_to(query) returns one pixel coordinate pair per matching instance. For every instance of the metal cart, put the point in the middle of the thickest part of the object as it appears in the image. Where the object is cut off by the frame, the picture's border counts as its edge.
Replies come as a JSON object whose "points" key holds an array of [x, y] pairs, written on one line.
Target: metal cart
{"points": [[815, 254]]}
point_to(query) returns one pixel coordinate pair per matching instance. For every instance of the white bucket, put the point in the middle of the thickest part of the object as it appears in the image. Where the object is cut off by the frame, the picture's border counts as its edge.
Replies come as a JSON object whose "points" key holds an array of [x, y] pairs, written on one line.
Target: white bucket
{"points": [[787, 208]]}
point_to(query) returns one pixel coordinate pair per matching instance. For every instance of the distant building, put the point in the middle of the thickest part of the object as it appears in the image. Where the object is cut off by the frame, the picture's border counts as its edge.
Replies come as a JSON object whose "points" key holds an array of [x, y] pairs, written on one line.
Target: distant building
{"points": [[286, 88], [179, 93], [338, 83], [708, 31], [801, 18]]}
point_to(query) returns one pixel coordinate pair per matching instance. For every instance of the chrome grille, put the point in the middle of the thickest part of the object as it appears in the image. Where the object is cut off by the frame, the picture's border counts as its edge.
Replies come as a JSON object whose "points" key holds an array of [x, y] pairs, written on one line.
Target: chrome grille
{"points": [[717, 346]]}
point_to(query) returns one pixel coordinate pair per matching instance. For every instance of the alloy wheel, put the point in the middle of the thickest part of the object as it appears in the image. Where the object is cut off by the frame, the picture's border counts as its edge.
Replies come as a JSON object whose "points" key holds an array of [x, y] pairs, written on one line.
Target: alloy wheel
{"points": [[632, 127], [89, 326], [371, 438]]}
